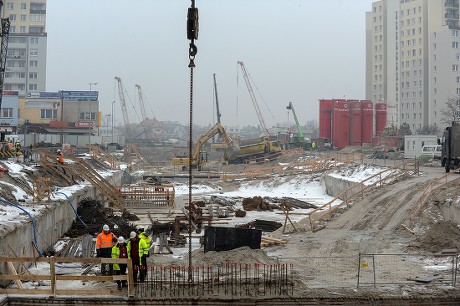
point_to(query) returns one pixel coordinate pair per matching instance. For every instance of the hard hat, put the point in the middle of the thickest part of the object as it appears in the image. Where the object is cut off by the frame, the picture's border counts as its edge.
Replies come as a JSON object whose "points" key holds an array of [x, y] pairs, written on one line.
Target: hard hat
{"points": [[115, 226], [59, 151], [121, 239], [140, 230], [132, 235], [106, 227]]}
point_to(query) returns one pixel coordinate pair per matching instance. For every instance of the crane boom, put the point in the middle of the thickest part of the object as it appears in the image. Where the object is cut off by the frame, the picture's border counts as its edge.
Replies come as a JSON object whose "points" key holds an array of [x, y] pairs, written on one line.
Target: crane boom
{"points": [[5, 23], [141, 102], [299, 129], [253, 98], [217, 99], [121, 93]]}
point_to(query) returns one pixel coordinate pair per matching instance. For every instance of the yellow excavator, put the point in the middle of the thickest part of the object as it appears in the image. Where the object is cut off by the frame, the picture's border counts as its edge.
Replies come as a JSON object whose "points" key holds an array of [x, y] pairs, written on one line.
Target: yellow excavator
{"points": [[199, 157]]}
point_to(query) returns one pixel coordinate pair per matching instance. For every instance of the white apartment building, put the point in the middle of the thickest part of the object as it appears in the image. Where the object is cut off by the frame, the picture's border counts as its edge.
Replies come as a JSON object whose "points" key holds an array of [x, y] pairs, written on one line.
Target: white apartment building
{"points": [[27, 44], [412, 59]]}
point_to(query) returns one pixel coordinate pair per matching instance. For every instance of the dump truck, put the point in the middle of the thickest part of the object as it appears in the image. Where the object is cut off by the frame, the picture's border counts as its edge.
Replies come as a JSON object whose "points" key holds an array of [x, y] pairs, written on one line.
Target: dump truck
{"points": [[450, 142], [256, 149]]}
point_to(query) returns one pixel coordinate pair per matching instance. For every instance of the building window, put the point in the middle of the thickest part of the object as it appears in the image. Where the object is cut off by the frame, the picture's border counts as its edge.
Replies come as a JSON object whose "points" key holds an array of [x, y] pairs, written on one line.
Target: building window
{"points": [[33, 52], [23, 6], [455, 67], [454, 33], [13, 29], [87, 116], [33, 75], [33, 87], [33, 64], [22, 29], [454, 45], [34, 40], [23, 17], [48, 113], [9, 5], [6, 113], [12, 17]]}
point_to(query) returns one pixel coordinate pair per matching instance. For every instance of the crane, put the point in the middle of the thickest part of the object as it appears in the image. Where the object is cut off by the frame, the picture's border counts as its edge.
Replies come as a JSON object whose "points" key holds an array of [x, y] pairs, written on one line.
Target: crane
{"points": [[299, 138], [141, 102], [254, 101], [121, 93], [217, 99], [5, 23]]}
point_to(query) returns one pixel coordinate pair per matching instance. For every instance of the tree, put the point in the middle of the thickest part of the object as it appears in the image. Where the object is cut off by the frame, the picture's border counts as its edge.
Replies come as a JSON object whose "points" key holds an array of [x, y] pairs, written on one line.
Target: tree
{"points": [[313, 127], [452, 110], [428, 130]]}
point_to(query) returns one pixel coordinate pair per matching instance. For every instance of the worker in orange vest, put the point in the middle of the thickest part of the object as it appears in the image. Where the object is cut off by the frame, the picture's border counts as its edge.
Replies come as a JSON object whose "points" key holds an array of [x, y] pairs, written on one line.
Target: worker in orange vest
{"points": [[104, 244], [60, 157]]}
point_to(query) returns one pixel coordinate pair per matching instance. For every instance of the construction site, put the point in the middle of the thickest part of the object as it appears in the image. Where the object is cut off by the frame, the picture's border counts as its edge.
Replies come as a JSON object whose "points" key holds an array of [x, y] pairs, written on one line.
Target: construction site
{"points": [[378, 232]]}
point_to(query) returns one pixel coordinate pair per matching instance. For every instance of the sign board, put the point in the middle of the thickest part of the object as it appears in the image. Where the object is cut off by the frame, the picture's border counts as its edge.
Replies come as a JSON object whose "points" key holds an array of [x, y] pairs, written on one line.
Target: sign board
{"points": [[80, 95], [6, 129], [44, 95], [83, 125]]}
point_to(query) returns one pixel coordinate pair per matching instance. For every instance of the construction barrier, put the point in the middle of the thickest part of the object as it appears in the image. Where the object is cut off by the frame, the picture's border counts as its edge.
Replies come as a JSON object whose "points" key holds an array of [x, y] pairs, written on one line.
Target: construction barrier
{"points": [[147, 196]]}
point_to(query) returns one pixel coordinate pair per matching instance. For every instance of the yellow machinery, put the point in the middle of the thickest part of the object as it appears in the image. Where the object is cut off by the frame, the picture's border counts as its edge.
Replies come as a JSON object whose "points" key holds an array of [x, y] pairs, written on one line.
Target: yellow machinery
{"points": [[253, 149], [199, 158]]}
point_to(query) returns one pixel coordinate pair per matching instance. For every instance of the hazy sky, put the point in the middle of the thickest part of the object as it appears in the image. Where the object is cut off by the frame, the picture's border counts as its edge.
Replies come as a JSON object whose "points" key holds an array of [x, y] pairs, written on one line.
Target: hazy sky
{"points": [[294, 50]]}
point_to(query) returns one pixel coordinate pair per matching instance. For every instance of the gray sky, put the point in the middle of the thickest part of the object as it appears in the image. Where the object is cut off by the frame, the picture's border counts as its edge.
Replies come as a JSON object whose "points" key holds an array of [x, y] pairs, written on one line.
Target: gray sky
{"points": [[294, 50]]}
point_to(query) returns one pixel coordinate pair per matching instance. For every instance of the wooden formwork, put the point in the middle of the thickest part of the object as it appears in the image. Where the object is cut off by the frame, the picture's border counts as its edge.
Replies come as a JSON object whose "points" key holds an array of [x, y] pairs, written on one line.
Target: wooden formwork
{"points": [[147, 196]]}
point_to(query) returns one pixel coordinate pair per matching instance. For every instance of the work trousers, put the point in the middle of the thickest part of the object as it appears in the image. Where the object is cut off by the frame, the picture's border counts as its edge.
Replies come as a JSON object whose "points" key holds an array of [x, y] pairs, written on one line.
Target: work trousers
{"points": [[122, 271]]}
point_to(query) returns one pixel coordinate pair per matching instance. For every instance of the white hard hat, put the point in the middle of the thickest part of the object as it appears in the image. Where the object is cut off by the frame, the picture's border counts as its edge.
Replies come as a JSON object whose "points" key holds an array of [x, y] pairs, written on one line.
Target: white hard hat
{"points": [[106, 227], [115, 226], [121, 239], [132, 234]]}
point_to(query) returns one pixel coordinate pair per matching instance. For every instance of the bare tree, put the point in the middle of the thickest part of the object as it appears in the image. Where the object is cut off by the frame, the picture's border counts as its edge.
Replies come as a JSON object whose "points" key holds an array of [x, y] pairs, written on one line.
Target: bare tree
{"points": [[452, 110], [428, 130], [313, 126]]}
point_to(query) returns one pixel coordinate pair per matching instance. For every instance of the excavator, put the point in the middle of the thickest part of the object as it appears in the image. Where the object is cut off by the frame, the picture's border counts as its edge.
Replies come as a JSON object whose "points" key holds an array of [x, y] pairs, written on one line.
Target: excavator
{"points": [[199, 157]]}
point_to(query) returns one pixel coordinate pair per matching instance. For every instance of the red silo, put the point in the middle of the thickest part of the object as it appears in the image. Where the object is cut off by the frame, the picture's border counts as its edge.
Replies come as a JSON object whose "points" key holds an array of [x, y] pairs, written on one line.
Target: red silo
{"points": [[355, 123], [341, 124], [325, 119], [367, 123], [380, 118]]}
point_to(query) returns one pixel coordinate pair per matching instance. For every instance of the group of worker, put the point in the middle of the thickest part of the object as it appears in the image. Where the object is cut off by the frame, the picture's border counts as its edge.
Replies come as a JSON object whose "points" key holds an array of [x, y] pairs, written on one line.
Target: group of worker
{"points": [[137, 248]]}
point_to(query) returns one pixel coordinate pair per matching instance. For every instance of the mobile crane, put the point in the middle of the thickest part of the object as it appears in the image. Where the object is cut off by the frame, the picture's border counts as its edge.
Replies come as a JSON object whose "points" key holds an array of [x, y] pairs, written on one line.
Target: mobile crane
{"points": [[121, 93], [298, 140]]}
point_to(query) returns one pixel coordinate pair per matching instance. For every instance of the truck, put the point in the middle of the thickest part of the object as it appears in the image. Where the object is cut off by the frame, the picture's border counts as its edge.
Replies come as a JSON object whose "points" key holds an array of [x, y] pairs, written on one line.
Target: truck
{"points": [[450, 150], [254, 149]]}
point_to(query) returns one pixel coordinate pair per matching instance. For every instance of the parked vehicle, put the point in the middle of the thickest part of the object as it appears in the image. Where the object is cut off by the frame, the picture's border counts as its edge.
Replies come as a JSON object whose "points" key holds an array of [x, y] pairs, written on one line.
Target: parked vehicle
{"points": [[450, 142], [431, 151]]}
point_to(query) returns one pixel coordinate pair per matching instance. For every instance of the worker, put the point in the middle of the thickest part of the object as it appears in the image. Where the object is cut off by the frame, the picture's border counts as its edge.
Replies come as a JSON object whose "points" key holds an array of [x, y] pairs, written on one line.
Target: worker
{"points": [[104, 243], [143, 235], [136, 249], [120, 250], [60, 157], [8, 145], [313, 145]]}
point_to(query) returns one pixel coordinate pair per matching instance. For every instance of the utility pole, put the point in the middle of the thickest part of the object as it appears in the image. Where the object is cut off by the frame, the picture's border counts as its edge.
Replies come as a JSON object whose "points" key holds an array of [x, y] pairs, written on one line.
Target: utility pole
{"points": [[62, 117]]}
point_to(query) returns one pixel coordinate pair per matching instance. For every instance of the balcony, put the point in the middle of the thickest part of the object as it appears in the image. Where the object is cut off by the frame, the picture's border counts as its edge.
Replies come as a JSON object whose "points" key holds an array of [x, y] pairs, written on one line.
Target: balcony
{"points": [[35, 11]]}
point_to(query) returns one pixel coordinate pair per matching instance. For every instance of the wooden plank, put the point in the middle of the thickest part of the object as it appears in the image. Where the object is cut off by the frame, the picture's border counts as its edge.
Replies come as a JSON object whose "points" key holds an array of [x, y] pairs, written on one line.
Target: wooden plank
{"points": [[91, 277], [13, 271], [26, 291], [86, 292], [24, 277]]}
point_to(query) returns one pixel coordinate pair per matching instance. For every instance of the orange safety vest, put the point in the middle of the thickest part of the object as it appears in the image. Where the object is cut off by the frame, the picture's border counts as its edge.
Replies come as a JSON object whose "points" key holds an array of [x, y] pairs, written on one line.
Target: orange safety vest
{"points": [[61, 158], [104, 240]]}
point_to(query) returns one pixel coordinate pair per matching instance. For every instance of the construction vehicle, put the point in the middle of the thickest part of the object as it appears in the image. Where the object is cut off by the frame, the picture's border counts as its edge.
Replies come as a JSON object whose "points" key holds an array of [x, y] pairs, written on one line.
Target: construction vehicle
{"points": [[199, 157], [257, 149], [254, 100], [450, 142], [298, 140]]}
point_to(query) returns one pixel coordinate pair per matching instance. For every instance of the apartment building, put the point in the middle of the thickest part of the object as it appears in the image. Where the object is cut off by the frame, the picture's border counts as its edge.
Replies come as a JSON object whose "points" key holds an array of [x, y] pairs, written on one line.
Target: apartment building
{"points": [[27, 44], [412, 59]]}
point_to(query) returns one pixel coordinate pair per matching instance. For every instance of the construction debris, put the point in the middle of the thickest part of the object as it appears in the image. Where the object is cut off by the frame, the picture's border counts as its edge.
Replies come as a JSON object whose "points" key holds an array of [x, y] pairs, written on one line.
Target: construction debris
{"points": [[256, 203], [264, 225], [268, 241]]}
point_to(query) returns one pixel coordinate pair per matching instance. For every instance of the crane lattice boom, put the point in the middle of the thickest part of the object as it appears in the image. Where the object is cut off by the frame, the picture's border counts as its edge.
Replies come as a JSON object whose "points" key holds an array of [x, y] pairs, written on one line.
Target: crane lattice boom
{"points": [[253, 98], [121, 93], [141, 102]]}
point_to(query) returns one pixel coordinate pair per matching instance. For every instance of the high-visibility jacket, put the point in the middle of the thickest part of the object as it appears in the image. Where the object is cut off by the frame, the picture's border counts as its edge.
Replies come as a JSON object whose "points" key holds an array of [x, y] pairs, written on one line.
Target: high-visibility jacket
{"points": [[60, 157], [142, 248], [148, 242], [116, 253], [105, 240]]}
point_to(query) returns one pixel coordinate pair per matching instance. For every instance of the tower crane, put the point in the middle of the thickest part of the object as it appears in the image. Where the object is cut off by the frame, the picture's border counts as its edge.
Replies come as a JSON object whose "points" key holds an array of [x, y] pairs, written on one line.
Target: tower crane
{"points": [[217, 99], [253, 98], [141, 102], [299, 139], [121, 93], [5, 24]]}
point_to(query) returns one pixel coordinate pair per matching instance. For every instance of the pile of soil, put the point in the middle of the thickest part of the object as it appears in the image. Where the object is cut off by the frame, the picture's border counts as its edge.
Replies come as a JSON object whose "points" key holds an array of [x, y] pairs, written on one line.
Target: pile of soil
{"points": [[256, 203], [440, 235]]}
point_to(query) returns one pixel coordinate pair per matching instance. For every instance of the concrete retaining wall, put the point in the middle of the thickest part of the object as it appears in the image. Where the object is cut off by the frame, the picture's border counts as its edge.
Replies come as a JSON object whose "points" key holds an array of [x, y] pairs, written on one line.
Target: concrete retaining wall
{"points": [[451, 211], [334, 185], [51, 225]]}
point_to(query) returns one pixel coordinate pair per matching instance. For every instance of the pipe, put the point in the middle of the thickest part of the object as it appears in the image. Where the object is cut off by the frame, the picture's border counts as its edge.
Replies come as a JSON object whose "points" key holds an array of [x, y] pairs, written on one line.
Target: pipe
{"points": [[70, 202]]}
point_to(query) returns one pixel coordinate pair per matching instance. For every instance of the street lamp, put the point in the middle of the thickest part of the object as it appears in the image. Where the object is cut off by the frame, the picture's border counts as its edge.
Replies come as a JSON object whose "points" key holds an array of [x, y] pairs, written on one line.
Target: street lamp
{"points": [[91, 84], [112, 119]]}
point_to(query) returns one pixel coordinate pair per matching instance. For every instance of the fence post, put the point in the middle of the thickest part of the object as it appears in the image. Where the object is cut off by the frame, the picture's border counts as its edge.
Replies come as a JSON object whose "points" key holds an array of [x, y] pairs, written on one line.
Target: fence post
{"points": [[373, 269], [359, 268], [130, 277], [53, 274]]}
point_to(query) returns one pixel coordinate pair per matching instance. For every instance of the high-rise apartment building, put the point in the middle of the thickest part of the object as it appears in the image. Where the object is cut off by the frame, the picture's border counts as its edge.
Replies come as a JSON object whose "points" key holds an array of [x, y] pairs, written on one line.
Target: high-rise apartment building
{"points": [[413, 59], [26, 59]]}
